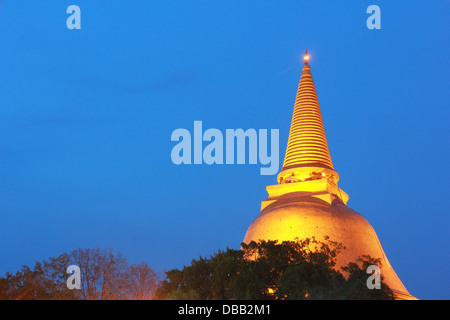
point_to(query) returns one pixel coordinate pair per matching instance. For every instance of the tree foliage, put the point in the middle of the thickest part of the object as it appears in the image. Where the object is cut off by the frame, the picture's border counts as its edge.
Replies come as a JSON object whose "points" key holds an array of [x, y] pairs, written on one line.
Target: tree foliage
{"points": [[264, 270], [267, 270], [105, 275]]}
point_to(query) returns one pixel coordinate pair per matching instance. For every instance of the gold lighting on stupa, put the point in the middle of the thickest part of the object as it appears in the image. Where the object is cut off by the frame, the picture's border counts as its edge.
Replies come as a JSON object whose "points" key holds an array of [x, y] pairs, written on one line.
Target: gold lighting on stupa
{"points": [[307, 201]]}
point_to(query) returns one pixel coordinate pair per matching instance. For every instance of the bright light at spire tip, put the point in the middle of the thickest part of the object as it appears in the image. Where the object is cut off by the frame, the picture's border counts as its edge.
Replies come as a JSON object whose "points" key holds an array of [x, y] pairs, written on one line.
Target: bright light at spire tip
{"points": [[306, 57]]}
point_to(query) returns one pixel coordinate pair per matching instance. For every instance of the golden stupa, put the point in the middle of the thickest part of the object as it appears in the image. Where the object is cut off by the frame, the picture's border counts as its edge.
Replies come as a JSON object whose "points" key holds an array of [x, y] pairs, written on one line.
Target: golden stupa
{"points": [[307, 201]]}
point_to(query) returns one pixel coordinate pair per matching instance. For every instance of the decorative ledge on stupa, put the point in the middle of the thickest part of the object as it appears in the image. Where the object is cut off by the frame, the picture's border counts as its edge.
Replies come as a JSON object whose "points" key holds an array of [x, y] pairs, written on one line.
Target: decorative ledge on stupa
{"points": [[322, 189]]}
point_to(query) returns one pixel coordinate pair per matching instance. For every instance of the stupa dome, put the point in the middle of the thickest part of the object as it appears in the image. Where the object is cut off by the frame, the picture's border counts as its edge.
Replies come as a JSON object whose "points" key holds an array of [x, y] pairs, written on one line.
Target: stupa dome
{"points": [[301, 217]]}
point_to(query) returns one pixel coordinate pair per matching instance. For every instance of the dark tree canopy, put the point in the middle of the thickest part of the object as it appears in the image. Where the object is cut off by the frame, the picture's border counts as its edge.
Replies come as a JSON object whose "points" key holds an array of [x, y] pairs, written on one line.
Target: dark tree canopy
{"points": [[267, 270], [105, 275]]}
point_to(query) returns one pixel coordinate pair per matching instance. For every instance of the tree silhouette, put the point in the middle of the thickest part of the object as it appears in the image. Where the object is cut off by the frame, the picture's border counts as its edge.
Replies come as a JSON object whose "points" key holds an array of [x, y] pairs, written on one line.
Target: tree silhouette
{"points": [[267, 270], [105, 275], [264, 270]]}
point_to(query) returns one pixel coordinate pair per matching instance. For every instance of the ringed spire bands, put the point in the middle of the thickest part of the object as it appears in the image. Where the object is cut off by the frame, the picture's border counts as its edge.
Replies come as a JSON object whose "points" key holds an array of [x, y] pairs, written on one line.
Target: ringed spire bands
{"points": [[307, 145]]}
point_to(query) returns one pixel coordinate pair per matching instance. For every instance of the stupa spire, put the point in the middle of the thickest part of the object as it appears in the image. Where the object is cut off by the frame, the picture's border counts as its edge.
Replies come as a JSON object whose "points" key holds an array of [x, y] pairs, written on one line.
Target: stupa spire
{"points": [[307, 154]]}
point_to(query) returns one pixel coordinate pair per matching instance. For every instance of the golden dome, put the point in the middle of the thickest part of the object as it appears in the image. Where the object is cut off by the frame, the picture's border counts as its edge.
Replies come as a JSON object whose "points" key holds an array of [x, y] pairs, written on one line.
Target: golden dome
{"points": [[303, 217]]}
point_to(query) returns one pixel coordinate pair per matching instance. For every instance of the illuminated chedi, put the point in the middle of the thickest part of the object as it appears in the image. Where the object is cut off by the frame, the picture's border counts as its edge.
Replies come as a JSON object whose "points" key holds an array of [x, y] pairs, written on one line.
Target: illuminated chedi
{"points": [[307, 202]]}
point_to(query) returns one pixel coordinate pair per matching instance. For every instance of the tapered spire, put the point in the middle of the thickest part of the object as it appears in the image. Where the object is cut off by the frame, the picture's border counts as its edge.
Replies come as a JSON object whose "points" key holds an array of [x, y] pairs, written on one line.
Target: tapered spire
{"points": [[307, 155]]}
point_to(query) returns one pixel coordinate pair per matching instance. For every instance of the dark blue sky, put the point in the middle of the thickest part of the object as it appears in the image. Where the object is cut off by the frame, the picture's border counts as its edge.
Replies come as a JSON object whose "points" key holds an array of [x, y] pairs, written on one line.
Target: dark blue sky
{"points": [[86, 118]]}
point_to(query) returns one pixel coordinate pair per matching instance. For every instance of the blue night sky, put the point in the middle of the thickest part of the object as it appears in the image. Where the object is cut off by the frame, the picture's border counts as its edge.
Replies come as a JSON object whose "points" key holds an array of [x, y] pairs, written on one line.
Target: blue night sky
{"points": [[86, 118]]}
